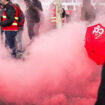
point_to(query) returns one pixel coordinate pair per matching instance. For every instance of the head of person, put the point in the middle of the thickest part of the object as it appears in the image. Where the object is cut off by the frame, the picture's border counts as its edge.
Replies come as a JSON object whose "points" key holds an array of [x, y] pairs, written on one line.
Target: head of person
{"points": [[4, 2]]}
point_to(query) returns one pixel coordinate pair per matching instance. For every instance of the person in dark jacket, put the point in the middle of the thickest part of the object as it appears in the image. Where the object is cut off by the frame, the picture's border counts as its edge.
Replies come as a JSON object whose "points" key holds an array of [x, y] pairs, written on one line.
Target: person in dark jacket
{"points": [[101, 91], [9, 24], [38, 4], [88, 11], [63, 13], [33, 14]]}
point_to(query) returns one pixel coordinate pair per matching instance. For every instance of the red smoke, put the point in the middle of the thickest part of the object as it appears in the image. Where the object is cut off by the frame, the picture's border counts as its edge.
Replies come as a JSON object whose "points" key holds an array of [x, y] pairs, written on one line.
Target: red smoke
{"points": [[56, 71]]}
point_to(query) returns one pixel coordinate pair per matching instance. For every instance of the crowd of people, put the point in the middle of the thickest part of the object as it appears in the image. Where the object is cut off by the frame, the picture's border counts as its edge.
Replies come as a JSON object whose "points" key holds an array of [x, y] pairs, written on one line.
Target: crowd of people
{"points": [[13, 19], [85, 12], [12, 23]]}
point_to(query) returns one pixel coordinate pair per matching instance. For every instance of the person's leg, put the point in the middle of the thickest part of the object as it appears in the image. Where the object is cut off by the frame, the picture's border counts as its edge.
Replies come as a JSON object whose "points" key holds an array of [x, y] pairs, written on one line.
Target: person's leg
{"points": [[19, 40], [36, 28], [19, 51], [30, 25], [7, 34], [10, 40], [101, 92]]}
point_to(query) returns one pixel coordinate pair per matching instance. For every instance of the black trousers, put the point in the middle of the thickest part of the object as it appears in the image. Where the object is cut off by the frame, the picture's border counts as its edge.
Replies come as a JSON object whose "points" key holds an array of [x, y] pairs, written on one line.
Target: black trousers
{"points": [[10, 41], [101, 91]]}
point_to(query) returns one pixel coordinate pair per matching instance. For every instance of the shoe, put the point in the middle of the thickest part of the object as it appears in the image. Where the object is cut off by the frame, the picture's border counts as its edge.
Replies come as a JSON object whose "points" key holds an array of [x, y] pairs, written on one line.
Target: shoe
{"points": [[19, 54]]}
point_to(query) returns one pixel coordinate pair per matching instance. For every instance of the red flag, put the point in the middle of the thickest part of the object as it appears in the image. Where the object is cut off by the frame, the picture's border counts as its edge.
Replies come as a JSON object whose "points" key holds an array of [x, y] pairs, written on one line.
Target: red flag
{"points": [[95, 43]]}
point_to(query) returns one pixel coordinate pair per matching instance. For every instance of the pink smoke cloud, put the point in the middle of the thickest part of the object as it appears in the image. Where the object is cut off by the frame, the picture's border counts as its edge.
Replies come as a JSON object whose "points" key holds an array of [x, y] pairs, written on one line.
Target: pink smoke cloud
{"points": [[56, 71]]}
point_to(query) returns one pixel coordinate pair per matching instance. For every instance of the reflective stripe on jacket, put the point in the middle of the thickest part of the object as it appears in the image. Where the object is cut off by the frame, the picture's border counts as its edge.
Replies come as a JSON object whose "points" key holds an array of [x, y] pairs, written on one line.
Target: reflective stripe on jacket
{"points": [[53, 16]]}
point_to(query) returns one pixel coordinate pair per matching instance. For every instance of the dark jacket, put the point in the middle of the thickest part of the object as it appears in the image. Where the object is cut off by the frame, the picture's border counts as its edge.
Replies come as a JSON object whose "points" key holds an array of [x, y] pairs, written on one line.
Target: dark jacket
{"points": [[32, 14], [88, 13], [10, 12], [38, 4], [63, 13]]}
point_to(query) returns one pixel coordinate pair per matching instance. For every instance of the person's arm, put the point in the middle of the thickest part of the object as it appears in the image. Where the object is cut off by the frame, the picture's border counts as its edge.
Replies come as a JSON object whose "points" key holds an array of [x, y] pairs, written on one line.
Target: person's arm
{"points": [[10, 16]]}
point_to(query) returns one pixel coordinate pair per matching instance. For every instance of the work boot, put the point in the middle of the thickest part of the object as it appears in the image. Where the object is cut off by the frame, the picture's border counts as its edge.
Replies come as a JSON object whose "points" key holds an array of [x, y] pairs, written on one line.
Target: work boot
{"points": [[19, 54]]}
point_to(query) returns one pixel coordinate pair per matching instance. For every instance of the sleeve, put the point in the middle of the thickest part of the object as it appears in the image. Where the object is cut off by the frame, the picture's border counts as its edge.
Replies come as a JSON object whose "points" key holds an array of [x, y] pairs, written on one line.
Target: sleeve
{"points": [[10, 16]]}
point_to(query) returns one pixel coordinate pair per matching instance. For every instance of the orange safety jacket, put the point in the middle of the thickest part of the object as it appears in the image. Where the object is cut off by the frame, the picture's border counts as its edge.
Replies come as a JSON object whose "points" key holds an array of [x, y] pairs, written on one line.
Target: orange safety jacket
{"points": [[53, 16], [14, 25]]}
